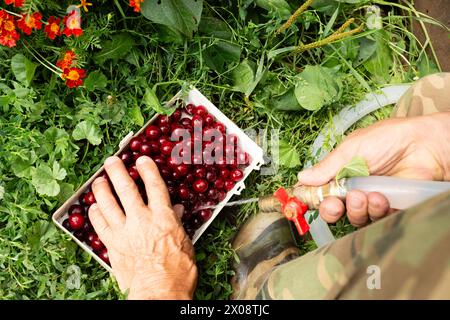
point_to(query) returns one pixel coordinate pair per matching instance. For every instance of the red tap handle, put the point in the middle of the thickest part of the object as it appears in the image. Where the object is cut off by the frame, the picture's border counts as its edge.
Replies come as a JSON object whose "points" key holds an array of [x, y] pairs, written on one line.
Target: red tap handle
{"points": [[293, 209]]}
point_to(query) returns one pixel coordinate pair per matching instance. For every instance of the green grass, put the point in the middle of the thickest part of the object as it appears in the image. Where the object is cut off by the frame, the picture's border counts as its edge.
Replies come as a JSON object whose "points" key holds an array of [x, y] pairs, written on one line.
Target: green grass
{"points": [[34, 256]]}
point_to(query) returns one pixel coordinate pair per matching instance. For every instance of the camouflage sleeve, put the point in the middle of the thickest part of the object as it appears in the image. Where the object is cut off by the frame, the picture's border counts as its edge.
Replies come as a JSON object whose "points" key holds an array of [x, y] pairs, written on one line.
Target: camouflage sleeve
{"points": [[428, 95], [404, 256]]}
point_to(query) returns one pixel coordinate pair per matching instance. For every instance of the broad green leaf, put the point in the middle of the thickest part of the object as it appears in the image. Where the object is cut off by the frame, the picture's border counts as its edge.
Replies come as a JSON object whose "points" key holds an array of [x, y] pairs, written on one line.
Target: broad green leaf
{"points": [[243, 76], [44, 179], [87, 130], [137, 116], [380, 63], [367, 48], [286, 102], [66, 191], [317, 87], [357, 167], [23, 69], [218, 55], [151, 100], [116, 48], [215, 28], [58, 172], [95, 79], [180, 15], [21, 164], [288, 155]]}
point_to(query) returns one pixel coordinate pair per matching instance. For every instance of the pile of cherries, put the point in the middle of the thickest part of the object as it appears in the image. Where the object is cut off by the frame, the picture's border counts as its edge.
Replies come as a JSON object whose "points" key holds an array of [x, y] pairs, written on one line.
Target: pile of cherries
{"points": [[197, 159]]}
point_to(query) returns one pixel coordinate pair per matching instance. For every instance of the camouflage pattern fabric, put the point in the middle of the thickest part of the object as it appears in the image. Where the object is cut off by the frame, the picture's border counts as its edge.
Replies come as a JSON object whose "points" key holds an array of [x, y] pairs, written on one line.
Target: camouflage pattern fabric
{"points": [[403, 256], [430, 94], [408, 251]]}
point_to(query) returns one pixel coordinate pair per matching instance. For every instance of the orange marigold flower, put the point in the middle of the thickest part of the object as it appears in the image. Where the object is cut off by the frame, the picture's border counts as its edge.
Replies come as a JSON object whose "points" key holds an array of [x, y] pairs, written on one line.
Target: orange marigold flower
{"points": [[28, 22], [8, 32], [72, 23], [73, 76], [17, 3], [53, 29], [136, 4], [67, 61]]}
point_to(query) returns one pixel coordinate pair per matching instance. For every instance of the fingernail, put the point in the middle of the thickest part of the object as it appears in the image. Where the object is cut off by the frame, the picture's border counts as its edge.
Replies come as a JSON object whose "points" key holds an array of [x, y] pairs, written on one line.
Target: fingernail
{"points": [[111, 160], [98, 180], [142, 160], [355, 203]]}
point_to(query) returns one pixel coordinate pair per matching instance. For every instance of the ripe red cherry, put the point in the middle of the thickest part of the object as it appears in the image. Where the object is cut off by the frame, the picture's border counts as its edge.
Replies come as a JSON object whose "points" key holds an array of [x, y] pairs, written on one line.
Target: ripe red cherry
{"points": [[205, 214], [236, 175], [166, 148], [126, 157], [176, 116], [209, 119], [219, 126], [135, 144], [145, 149], [212, 194], [89, 198], [182, 169], [162, 139], [189, 177], [77, 209], [154, 147], [183, 192], [96, 243], [165, 173], [172, 162], [200, 185], [190, 109], [219, 183], [134, 174], [66, 224], [199, 172], [211, 176], [80, 235], [185, 122], [221, 195], [197, 121], [224, 173], [103, 254], [159, 160], [162, 120], [152, 132], [76, 221], [90, 236], [165, 129], [135, 155], [176, 175], [200, 111], [228, 185]]}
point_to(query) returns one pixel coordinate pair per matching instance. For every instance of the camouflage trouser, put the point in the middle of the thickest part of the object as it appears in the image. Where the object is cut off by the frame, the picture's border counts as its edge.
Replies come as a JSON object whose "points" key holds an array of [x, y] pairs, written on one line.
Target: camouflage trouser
{"points": [[404, 256]]}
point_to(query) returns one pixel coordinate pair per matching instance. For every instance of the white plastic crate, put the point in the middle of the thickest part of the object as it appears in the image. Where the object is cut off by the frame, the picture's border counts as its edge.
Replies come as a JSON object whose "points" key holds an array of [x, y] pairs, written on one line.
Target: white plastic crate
{"points": [[196, 98]]}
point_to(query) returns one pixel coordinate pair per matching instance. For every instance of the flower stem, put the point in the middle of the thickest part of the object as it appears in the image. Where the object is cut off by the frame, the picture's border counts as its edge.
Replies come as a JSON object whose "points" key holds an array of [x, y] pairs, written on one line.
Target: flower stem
{"points": [[294, 17], [11, 13], [334, 37], [44, 61]]}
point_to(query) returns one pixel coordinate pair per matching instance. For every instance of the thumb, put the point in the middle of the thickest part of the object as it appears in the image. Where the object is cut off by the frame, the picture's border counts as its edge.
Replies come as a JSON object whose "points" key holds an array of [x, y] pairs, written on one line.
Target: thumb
{"points": [[325, 170]]}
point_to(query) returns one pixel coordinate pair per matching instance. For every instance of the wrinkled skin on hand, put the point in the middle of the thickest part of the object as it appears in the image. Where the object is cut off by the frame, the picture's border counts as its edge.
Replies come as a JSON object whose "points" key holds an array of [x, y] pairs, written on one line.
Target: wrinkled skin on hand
{"points": [[416, 148], [151, 256]]}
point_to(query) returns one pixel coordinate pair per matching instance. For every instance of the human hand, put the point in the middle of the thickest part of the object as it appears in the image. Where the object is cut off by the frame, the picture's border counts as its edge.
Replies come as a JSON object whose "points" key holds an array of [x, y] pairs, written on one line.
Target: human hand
{"points": [[416, 148], [149, 251]]}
